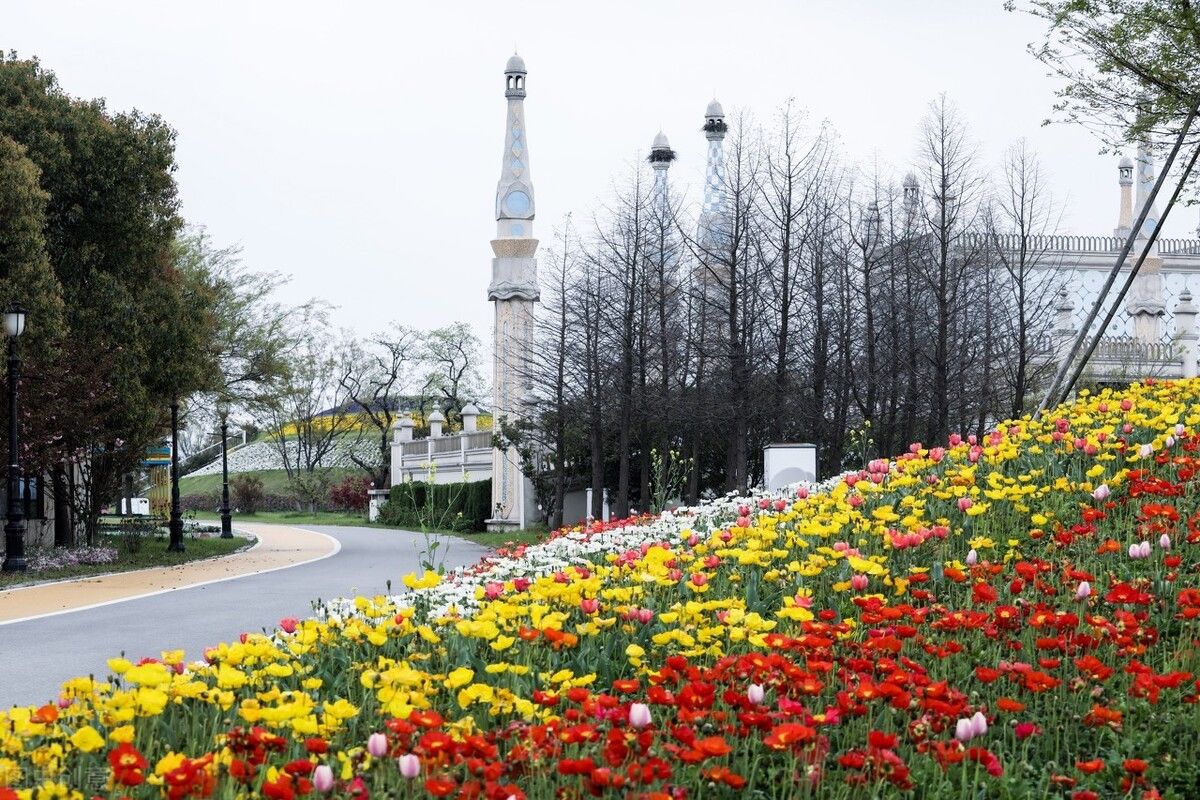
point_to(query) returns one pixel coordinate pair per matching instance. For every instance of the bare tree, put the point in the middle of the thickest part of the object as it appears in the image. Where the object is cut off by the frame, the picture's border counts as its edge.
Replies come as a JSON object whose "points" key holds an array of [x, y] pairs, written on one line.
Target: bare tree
{"points": [[373, 374]]}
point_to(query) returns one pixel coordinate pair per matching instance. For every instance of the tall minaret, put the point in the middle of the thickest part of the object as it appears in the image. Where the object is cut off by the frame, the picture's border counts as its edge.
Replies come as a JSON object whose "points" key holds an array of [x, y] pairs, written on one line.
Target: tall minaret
{"points": [[1146, 303], [661, 156], [1125, 218], [712, 221], [514, 290]]}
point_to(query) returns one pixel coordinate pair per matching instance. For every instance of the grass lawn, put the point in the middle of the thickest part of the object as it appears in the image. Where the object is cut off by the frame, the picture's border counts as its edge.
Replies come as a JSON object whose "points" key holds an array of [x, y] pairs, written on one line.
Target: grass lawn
{"points": [[153, 553], [275, 481], [487, 539]]}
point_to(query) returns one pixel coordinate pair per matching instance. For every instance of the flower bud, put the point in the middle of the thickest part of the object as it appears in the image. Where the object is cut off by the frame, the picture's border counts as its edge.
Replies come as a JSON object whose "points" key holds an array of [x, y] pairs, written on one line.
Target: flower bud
{"points": [[1083, 591], [639, 715], [377, 745], [1164, 542], [755, 693], [972, 558], [410, 765], [322, 778]]}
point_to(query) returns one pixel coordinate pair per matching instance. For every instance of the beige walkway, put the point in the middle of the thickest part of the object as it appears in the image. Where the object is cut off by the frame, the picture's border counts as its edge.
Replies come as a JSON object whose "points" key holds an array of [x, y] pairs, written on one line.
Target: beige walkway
{"points": [[278, 546]]}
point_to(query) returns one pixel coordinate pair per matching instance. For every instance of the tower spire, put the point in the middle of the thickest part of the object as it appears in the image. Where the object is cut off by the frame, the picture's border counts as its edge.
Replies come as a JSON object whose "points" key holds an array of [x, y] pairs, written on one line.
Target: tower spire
{"points": [[712, 213], [1145, 185], [660, 158], [513, 292], [1146, 303], [1125, 218]]}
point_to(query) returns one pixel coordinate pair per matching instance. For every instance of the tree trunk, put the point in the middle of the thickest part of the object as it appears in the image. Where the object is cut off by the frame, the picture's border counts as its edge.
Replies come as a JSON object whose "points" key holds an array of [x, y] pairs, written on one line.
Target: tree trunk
{"points": [[64, 531]]}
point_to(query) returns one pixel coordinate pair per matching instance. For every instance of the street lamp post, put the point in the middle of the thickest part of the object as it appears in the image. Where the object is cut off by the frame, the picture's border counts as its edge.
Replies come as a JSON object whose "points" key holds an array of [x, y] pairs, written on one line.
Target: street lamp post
{"points": [[175, 543], [14, 530], [226, 521]]}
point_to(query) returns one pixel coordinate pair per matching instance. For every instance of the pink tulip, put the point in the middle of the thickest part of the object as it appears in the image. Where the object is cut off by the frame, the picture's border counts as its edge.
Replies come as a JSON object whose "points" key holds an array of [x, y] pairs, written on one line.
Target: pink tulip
{"points": [[1144, 549], [743, 522], [1134, 551], [645, 616], [322, 778], [493, 590], [699, 578], [377, 745], [755, 693], [962, 730], [859, 582], [972, 558], [410, 765], [855, 500], [1083, 591], [979, 725], [764, 503], [955, 440], [289, 624], [1101, 492], [1126, 405], [1164, 542], [964, 503], [639, 715], [589, 605], [743, 510], [802, 493], [64, 701]]}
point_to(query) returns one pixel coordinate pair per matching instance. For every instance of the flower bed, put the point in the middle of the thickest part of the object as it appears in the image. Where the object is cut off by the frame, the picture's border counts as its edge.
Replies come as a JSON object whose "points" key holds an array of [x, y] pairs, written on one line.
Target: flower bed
{"points": [[1009, 617]]}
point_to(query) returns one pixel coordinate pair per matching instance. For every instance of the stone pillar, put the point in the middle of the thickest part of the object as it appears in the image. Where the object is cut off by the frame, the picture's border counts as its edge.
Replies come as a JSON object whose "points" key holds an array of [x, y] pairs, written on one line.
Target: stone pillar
{"points": [[470, 416], [402, 429], [402, 432], [436, 420], [1064, 325], [1185, 332]]}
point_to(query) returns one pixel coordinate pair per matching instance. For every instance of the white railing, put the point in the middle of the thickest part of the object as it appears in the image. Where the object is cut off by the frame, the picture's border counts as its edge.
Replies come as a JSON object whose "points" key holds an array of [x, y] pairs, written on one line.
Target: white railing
{"points": [[450, 458]]}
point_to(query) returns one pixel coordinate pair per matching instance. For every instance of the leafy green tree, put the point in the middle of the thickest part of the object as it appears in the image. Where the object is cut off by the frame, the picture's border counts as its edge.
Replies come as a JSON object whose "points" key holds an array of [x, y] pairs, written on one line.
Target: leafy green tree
{"points": [[134, 328], [1130, 67], [254, 338]]}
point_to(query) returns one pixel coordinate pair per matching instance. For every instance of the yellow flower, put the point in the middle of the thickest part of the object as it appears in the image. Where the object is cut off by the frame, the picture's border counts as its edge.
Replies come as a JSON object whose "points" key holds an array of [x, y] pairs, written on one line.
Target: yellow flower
{"points": [[428, 580], [87, 739], [459, 677]]}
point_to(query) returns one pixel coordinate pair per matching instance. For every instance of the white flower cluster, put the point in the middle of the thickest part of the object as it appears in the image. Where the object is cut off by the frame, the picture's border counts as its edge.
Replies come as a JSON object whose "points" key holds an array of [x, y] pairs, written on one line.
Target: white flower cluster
{"points": [[455, 595]]}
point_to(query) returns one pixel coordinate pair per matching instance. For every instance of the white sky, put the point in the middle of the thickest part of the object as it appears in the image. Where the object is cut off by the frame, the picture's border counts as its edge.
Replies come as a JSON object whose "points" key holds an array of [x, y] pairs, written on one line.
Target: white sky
{"points": [[356, 145]]}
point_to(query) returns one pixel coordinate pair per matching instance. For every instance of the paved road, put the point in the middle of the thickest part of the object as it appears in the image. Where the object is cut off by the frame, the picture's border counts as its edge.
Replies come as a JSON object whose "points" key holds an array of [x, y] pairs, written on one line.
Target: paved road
{"points": [[36, 656]]}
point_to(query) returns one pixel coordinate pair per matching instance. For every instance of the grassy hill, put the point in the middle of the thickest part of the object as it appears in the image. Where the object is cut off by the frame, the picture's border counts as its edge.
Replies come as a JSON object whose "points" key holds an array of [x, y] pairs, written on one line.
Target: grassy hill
{"points": [[275, 481]]}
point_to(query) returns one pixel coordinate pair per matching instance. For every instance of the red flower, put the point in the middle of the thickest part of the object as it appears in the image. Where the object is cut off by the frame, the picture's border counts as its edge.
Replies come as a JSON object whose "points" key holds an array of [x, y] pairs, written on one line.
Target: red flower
{"points": [[788, 735], [440, 787], [127, 765], [713, 746], [1135, 766], [1090, 767]]}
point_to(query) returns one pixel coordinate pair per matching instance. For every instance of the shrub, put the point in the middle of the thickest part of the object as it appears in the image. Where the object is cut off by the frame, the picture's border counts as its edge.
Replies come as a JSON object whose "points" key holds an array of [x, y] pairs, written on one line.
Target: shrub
{"points": [[201, 501], [351, 493], [456, 506], [135, 531], [247, 493]]}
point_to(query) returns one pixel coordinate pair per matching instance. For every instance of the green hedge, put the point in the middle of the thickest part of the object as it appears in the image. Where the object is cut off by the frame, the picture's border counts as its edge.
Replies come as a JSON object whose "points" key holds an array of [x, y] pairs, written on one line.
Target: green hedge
{"points": [[457, 506]]}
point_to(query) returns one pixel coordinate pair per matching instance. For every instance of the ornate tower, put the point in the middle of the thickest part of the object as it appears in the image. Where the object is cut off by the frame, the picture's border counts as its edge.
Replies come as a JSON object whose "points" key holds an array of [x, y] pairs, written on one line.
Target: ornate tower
{"points": [[1125, 218], [1146, 303], [660, 158], [513, 291], [712, 221]]}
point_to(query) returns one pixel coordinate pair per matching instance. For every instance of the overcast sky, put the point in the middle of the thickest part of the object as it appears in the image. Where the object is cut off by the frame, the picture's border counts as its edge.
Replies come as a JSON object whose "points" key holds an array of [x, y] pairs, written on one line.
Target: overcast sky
{"points": [[356, 145]]}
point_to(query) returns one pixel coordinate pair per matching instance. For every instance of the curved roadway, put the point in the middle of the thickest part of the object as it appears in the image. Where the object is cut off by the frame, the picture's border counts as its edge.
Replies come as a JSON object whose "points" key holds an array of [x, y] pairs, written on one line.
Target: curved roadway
{"points": [[37, 655]]}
